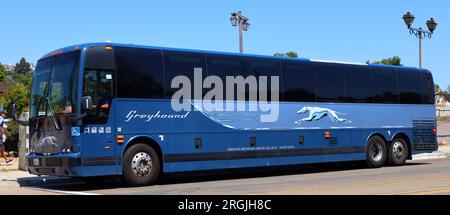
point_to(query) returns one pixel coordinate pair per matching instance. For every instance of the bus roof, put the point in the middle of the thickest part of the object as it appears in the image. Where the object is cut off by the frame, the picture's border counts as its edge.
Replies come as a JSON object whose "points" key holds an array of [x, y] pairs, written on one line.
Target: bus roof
{"points": [[87, 45]]}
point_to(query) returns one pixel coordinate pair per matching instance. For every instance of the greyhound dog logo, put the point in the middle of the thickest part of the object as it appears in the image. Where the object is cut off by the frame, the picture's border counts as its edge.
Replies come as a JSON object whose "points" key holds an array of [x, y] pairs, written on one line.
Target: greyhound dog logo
{"points": [[317, 113]]}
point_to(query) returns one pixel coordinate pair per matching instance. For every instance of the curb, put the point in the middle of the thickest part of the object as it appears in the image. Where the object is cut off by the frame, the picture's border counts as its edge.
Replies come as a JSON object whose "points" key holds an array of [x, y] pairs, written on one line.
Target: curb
{"points": [[10, 170], [433, 155]]}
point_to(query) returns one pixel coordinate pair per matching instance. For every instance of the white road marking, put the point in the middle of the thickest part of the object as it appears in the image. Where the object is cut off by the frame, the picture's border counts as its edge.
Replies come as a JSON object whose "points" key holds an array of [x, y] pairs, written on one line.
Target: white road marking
{"points": [[63, 191]]}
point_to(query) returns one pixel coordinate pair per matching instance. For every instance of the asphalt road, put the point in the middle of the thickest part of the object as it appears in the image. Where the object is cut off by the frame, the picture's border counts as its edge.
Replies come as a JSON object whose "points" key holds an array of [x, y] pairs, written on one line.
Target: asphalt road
{"points": [[424, 177]]}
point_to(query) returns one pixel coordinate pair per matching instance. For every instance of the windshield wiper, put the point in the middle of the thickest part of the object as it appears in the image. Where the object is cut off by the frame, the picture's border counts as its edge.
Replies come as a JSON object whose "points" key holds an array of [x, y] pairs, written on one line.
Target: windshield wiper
{"points": [[55, 121], [48, 108], [38, 107]]}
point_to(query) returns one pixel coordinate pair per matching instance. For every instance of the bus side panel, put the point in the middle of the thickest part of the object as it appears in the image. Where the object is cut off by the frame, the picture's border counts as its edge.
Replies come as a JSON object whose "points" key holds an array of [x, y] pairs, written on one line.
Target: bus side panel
{"points": [[260, 162], [199, 140]]}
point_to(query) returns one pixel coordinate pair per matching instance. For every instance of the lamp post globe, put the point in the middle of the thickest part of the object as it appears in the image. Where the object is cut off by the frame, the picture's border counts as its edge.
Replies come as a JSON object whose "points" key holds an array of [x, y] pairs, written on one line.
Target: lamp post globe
{"points": [[420, 33], [409, 19], [246, 26], [233, 20], [239, 20], [431, 24]]}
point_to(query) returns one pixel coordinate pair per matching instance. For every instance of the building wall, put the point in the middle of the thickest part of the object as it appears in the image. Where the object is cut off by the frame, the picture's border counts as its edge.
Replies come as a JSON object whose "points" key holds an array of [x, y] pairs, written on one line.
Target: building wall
{"points": [[442, 107], [4, 86]]}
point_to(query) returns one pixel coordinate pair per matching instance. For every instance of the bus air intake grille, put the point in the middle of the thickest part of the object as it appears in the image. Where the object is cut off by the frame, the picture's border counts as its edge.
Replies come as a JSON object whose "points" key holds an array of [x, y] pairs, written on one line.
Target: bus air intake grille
{"points": [[53, 162], [423, 138]]}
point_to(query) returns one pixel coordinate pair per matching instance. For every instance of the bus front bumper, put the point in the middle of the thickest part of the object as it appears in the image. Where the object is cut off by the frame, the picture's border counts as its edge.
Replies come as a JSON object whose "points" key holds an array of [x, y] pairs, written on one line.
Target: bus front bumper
{"points": [[57, 165]]}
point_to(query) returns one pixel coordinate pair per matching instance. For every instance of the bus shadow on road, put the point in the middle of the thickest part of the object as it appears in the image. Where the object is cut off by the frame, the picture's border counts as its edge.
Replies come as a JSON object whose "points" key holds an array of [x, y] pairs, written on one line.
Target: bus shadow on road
{"points": [[273, 171], [73, 184]]}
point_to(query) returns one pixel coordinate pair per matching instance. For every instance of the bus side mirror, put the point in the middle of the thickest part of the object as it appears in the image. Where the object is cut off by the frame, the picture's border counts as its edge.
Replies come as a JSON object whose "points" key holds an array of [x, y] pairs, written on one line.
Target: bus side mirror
{"points": [[14, 112], [87, 104]]}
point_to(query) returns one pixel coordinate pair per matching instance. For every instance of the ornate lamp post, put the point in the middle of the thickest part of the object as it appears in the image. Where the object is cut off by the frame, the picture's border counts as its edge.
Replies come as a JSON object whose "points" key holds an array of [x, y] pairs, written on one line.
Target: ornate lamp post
{"points": [[419, 32], [237, 19]]}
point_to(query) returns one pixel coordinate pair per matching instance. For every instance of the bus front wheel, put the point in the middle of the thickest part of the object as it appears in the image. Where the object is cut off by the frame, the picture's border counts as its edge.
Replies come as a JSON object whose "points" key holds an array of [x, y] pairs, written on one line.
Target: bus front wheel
{"points": [[376, 152], [398, 152], [141, 165]]}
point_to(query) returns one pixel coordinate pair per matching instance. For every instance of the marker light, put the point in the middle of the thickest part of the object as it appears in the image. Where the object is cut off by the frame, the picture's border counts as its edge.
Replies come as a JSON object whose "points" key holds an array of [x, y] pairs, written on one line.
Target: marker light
{"points": [[120, 139], [57, 52], [327, 134], [71, 149]]}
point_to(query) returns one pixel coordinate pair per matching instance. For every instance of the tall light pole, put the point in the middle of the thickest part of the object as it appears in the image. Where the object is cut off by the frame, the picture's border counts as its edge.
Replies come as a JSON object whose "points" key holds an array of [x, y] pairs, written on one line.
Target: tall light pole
{"points": [[419, 32], [237, 19]]}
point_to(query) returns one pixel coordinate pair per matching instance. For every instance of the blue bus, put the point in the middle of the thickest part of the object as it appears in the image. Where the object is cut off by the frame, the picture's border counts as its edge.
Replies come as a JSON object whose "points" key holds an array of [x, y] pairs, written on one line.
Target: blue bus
{"points": [[104, 109]]}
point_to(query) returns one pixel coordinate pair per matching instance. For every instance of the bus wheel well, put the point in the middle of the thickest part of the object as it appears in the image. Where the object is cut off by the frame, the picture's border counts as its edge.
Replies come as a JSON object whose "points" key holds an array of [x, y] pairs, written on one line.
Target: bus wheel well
{"points": [[148, 141], [408, 142], [379, 135]]}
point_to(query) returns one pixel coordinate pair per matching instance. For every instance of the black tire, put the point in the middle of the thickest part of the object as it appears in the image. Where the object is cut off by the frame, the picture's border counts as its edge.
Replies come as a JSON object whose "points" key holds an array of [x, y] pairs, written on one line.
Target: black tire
{"points": [[138, 154], [376, 152], [398, 152]]}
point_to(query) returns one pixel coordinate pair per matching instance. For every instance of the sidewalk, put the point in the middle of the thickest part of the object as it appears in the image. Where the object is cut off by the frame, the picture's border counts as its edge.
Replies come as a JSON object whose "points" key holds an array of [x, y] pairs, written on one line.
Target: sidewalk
{"points": [[9, 176], [442, 152], [443, 132], [444, 148], [13, 167]]}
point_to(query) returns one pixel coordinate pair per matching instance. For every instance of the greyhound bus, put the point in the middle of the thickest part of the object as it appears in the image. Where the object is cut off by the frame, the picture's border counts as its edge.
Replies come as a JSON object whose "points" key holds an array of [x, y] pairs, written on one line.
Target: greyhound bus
{"points": [[108, 109]]}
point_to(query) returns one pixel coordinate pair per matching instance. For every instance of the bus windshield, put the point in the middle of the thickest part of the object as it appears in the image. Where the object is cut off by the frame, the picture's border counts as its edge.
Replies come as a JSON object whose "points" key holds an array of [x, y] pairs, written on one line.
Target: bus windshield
{"points": [[54, 83]]}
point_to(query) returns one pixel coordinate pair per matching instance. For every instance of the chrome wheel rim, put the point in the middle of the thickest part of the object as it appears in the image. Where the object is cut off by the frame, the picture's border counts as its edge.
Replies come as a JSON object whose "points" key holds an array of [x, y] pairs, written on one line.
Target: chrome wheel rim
{"points": [[376, 151], [398, 150], [141, 164]]}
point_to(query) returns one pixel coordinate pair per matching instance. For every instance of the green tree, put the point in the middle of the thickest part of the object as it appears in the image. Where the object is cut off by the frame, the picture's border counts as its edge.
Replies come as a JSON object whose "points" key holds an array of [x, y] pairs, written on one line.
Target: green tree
{"points": [[21, 92], [287, 54], [292, 54], [446, 93], [395, 61], [437, 88], [22, 67], [2, 73], [25, 79]]}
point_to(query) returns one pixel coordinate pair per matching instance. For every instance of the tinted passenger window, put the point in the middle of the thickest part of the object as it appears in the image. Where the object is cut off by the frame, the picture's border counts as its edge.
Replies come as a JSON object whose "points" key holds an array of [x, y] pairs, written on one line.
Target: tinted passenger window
{"points": [[384, 86], [222, 66], [264, 67], [330, 83], [180, 63], [298, 82], [100, 57], [139, 73], [428, 93], [410, 86], [357, 81]]}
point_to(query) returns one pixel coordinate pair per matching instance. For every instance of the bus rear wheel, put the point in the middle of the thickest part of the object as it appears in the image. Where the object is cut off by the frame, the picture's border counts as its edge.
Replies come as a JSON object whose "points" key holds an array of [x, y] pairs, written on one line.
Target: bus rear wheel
{"points": [[398, 152], [376, 152], [141, 165]]}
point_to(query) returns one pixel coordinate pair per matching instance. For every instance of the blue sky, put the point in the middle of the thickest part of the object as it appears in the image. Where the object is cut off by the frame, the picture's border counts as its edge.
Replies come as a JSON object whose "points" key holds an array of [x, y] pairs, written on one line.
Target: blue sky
{"points": [[347, 30]]}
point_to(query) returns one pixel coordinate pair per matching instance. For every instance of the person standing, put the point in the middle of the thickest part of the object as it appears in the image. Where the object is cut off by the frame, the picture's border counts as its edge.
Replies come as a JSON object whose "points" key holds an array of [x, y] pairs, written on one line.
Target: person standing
{"points": [[3, 127]]}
